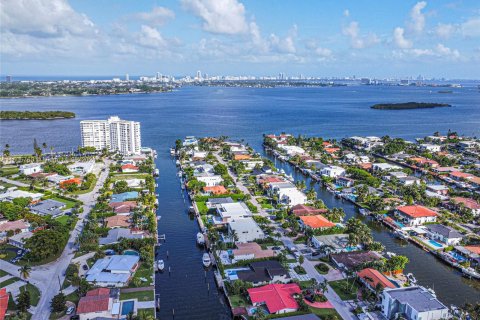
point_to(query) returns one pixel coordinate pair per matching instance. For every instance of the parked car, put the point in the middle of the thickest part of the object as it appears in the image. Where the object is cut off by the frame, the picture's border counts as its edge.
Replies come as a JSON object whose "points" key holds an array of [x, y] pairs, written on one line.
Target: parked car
{"points": [[70, 310]]}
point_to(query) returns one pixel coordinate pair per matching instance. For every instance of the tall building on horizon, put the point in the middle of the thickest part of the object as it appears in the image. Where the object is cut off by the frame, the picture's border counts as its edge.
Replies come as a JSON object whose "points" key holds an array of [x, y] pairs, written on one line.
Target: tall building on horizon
{"points": [[113, 134], [127, 77]]}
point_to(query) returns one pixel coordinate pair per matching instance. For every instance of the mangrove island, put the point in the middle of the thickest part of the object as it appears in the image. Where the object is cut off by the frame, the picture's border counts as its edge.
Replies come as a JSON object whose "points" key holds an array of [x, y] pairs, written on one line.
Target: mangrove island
{"points": [[409, 105], [35, 115]]}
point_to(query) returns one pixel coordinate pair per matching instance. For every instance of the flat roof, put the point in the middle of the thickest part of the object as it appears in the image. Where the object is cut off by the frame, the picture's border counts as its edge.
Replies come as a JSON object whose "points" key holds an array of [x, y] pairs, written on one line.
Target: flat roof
{"points": [[418, 298]]}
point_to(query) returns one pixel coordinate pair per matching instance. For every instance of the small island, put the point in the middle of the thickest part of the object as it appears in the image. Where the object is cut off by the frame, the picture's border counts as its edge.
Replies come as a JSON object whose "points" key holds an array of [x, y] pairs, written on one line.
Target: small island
{"points": [[35, 115], [409, 105]]}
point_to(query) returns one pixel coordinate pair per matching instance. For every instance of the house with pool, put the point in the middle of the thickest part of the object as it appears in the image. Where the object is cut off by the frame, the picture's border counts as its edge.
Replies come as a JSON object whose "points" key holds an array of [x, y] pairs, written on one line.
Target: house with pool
{"points": [[415, 215], [113, 271]]}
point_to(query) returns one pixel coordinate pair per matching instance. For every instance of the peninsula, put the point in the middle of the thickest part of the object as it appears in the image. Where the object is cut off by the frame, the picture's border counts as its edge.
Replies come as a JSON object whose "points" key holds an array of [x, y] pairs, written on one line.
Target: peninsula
{"points": [[409, 105], [35, 115]]}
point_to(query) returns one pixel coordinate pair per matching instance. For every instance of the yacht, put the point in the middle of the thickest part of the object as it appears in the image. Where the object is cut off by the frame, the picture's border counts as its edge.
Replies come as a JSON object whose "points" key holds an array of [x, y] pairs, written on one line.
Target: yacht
{"points": [[200, 239], [401, 234], [411, 278], [470, 273], [161, 265], [206, 260], [177, 163], [172, 151], [156, 173], [364, 212], [390, 254]]}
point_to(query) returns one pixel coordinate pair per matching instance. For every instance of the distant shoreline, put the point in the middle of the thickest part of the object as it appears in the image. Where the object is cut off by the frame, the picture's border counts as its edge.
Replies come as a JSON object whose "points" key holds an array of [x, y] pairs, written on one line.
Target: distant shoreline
{"points": [[36, 115], [409, 105]]}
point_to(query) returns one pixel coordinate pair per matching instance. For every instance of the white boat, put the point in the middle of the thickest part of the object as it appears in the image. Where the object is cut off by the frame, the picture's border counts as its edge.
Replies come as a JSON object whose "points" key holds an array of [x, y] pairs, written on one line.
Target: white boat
{"points": [[282, 171], [172, 151], [200, 238], [390, 254], [156, 173], [179, 173], [161, 265], [471, 273], [177, 162], [364, 212], [411, 278], [401, 234], [206, 260]]}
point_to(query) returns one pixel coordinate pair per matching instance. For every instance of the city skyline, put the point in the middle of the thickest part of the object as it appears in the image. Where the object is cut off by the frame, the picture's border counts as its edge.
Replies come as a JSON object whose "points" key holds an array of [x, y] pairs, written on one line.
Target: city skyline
{"points": [[233, 37]]}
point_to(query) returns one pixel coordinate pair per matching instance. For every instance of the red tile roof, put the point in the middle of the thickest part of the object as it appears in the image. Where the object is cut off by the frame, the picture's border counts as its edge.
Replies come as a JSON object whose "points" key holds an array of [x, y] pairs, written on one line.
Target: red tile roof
{"points": [[4, 296], [317, 221], [216, 190], [468, 202], [117, 221], [474, 249], [76, 181], [13, 225], [242, 157], [129, 166], [95, 301], [123, 207], [374, 277], [276, 297], [303, 210], [461, 175], [416, 211]]}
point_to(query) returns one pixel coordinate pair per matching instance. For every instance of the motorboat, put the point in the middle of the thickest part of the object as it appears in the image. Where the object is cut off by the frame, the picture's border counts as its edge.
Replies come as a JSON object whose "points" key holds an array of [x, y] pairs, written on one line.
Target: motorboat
{"points": [[364, 212], [160, 265], [400, 234], [390, 254], [206, 260], [156, 173], [172, 151], [200, 239], [191, 209], [470, 273], [177, 163], [411, 278]]}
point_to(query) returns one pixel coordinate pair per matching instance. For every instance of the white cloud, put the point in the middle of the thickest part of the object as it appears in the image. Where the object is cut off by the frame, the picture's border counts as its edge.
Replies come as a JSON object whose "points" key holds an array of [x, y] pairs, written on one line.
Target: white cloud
{"points": [[44, 18], [444, 31], [357, 40], [471, 28], [346, 13], [400, 40], [446, 52], [157, 17], [219, 16], [417, 18]]}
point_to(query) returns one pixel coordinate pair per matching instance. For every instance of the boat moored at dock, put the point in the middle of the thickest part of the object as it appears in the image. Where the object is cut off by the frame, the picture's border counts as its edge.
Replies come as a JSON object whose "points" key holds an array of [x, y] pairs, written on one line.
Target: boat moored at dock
{"points": [[200, 239], [206, 260]]}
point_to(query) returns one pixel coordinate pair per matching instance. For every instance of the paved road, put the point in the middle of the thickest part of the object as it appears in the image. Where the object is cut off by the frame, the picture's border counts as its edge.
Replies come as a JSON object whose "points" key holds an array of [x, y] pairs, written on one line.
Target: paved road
{"points": [[49, 276], [342, 308], [15, 183]]}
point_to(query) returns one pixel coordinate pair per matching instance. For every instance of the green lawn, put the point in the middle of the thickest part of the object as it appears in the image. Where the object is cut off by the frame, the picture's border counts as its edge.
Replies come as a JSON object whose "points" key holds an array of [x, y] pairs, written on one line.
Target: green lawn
{"points": [[126, 176], [7, 254], [147, 312], [73, 297], [70, 203], [140, 296], [345, 290], [326, 313], [143, 272], [63, 220], [9, 281], [2, 273], [305, 284], [238, 300], [322, 268], [80, 191], [202, 207], [8, 171], [34, 293]]}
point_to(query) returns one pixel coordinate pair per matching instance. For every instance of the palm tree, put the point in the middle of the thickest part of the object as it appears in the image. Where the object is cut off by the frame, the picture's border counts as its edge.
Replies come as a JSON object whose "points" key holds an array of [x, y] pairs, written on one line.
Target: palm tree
{"points": [[6, 152], [25, 271]]}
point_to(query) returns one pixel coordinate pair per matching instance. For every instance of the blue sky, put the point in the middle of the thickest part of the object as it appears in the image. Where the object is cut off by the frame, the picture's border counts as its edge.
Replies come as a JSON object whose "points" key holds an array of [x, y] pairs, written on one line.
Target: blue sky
{"points": [[240, 37]]}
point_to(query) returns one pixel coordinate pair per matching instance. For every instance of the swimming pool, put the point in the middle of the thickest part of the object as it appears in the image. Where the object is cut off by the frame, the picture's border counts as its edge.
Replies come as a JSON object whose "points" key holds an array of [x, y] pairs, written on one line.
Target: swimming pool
{"points": [[435, 243], [127, 307], [457, 257], [232, 273], [131, 253]]}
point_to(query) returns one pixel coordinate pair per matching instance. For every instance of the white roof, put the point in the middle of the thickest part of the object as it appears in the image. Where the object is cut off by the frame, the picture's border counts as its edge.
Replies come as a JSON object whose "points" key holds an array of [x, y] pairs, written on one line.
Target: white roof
{"points": [[9, 195], [233, 210], [246, 229]]}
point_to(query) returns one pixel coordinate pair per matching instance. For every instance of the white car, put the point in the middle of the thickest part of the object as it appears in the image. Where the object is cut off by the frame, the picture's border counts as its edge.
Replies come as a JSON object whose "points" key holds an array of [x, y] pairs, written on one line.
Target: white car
{"points": [[70, 310]]}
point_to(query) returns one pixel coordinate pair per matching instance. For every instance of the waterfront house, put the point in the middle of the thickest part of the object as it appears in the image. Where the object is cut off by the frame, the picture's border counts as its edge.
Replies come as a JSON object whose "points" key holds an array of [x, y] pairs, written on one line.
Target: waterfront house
{"points": [[230, 211], [124, 207], [353, 260], [262, 272], [129, 168], [438, 189], [249, 251], [245, 230], [116, 234], [304, 210], [409, 180], [412, 303], [48, 207], [444, 234], [430, 147], [316, 222], [471, 252], [19, 239], [65, 183], [415, 215], [287, 193], [423, 162], [121, 197], [30, 168], [252, 163], [292, 150], [217, 202], [118, 221], [277, 298], [210, 180], [113, 271], [468, 203], [371, 278], [57, 178], [332, 171], [17, 226], [96, 304], [190, 141], [239, 157], [395, 174], [215, 190], [344, 182], [333, 243]]}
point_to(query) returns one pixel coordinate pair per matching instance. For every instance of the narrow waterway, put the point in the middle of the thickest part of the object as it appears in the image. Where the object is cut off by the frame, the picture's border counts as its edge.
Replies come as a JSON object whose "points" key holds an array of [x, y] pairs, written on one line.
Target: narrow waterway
{"points": [[448, 283], [185, 289]]}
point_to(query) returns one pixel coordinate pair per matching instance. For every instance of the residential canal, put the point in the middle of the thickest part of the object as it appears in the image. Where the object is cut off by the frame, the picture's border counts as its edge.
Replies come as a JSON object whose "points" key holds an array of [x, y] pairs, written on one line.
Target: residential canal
{"points": [[187, 291], [448, 283]]}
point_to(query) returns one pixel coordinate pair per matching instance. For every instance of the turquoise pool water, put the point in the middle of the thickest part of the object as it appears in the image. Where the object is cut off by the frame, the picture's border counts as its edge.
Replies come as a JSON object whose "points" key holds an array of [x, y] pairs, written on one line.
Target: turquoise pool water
{"points": [[131, 253], [435, 243], [127, 307], [457, 257]]}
